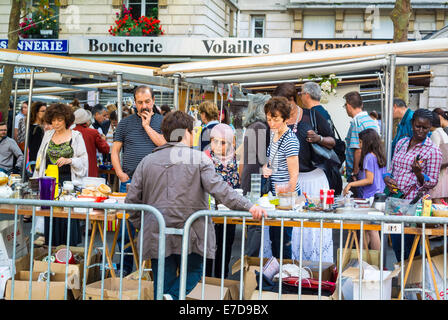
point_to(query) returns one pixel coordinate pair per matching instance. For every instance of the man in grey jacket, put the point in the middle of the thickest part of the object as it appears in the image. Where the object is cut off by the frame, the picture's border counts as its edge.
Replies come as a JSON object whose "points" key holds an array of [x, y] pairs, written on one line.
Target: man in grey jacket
{"points": [[8, 151], [176, 180]]}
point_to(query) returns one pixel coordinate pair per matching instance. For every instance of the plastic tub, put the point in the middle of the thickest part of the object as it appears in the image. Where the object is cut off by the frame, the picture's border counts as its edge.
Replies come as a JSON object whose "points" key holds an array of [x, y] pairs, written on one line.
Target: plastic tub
{"points": [[399, 207], [92, 181]]}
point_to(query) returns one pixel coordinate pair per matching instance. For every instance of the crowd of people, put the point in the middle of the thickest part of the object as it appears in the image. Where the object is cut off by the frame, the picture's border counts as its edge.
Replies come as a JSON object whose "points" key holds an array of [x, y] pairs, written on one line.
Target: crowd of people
{"points": [[293, 144]]}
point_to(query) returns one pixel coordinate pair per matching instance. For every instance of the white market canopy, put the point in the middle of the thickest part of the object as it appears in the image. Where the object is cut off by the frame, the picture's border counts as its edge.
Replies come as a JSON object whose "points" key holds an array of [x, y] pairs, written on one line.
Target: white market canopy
{"points": [[295, 65], [84, 67]]}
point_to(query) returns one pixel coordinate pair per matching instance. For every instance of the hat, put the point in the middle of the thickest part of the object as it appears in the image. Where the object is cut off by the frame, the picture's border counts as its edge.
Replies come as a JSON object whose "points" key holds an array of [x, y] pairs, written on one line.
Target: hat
{"points": [[82, 116]]}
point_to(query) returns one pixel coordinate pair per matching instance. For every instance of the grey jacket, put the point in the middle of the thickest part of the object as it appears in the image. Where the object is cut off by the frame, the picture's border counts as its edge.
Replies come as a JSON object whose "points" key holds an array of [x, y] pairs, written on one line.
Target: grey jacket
{"points": [[8, 151], [176, 180]]}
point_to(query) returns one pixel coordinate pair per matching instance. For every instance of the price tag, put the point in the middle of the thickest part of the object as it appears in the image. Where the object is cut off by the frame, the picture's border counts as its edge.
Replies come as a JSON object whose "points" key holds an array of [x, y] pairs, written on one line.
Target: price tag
{"points": [[392, 228]]}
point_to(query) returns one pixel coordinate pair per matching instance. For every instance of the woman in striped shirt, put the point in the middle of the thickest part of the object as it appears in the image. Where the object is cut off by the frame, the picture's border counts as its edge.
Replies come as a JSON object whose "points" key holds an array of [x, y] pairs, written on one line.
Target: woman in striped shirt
{"points": [[283, 163]]}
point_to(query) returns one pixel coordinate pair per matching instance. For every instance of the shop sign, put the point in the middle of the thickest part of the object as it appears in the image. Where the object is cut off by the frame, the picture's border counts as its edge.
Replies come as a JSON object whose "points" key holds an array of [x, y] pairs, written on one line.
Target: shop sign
{"points": [[301, 45], [178, 46], [39, 45]]}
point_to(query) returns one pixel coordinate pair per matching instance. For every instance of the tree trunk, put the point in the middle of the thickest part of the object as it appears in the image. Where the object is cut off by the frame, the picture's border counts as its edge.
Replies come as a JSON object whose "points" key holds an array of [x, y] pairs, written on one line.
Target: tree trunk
{"points": [[8, 70], [400, 16]]}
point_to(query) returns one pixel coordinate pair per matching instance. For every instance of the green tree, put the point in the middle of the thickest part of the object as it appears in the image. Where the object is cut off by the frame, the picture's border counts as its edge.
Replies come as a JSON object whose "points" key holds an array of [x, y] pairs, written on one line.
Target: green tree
{"points": [[8, 70], [400, 16]]}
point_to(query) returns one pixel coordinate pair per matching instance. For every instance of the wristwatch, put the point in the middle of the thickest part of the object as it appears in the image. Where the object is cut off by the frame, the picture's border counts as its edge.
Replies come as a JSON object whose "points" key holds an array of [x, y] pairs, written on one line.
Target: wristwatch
{"points": [[321, 139]]}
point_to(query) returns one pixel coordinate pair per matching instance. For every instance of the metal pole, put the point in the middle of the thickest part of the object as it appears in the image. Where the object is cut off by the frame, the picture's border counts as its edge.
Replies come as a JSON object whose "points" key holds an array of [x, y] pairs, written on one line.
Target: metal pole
{"points": [[28, 118], [389, 109], [119, 96], [176, 91], [14, 109], [215, 97]]}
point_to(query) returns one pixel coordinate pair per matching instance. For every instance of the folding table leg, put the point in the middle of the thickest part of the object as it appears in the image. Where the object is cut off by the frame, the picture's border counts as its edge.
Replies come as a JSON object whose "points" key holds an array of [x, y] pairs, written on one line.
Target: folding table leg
{"points": [[131, 241], [411, 258], [431, 267], [92, 238], [109, 260]]}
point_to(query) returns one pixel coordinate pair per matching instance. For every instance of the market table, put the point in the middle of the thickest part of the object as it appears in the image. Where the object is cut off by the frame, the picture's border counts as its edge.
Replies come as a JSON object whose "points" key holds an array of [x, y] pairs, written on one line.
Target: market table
{"points": [[96, 217], [352, 227]]}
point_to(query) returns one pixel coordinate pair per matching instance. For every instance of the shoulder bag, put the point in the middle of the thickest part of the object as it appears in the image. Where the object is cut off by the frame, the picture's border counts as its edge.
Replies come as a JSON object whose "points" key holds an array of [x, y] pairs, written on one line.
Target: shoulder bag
{"points": [[322, 155]]}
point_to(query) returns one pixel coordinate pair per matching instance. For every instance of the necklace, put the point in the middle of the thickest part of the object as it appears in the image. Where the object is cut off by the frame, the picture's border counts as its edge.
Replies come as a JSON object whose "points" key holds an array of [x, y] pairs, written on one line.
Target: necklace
{"points": [[294, 129]]}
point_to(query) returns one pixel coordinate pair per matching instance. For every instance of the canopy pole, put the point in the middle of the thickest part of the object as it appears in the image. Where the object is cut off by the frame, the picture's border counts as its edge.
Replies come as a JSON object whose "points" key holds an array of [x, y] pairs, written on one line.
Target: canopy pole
{"points": [[176, 91], [215, 97], [380, 78], [28, 120], [187, 99], [390, 109], [119, 96], [222, 102], [14, 109]]}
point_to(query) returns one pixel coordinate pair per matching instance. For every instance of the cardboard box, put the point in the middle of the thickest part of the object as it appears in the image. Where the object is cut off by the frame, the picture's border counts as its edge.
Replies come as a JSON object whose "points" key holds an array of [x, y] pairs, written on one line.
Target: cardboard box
{"points": [[370, 287], [252, 264], [76, 269], [373, 258], [212, 290], [7, 242], [112, 290], [38, 289], [415, 274]]}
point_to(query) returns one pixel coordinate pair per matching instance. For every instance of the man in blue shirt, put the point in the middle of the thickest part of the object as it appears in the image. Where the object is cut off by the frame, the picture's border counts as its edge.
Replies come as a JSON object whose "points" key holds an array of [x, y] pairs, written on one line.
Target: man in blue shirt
{"points": [[404, 129], [360, 121]]}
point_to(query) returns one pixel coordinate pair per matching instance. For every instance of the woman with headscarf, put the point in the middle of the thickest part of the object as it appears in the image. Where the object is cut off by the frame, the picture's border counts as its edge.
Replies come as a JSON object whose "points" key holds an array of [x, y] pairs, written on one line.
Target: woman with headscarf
{"points": [[415, 168], [222, 153]]}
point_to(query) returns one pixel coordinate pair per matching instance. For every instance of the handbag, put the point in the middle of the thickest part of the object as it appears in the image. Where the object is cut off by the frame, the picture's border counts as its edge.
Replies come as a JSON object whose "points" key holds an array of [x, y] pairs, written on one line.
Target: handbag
{"points": [[339, 147], [322, 155], [266, 187]]}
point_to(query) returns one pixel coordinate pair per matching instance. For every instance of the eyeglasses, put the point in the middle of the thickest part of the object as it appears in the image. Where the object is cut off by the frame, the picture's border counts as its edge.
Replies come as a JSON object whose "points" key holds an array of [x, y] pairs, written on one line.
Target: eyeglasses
{"points": [[344, 106]]}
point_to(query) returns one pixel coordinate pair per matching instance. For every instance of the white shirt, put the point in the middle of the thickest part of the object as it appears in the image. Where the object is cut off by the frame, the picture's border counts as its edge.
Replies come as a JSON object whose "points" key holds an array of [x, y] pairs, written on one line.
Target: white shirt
{"points": [[19, 116]]}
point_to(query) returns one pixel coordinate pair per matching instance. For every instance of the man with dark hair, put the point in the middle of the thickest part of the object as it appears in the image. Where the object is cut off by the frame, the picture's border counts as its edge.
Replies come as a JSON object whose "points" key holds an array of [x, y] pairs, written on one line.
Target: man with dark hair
{"points": [[9, 151], [176, 180], [99, 114], [361, 121], [165, 109], [137, 134], [404, 128]]}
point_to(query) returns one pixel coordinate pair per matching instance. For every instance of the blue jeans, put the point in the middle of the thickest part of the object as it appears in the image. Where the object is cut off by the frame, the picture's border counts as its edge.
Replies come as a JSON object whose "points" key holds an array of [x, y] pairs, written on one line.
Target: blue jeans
{"points": [[274, 235], [408, 240], [123, 186], [171, 281], [128, 260]]}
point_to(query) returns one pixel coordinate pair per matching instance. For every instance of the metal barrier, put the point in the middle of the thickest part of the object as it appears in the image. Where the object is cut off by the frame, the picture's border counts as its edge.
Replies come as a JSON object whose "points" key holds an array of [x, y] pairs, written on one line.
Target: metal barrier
{"points": [[388, 221], [69, 215]]}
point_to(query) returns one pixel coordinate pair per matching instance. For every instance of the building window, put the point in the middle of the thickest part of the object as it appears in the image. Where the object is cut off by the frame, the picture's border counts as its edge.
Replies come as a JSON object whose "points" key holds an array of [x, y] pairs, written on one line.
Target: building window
{"points": [[318, 26], [384, 30], [231, 23], [258, 24], [148, 8]]}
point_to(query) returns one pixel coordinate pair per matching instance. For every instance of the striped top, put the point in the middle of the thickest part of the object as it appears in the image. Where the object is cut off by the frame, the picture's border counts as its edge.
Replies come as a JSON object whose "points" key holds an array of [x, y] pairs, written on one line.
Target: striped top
{"points": [[289, 147], [359, 123], [136, 142]]}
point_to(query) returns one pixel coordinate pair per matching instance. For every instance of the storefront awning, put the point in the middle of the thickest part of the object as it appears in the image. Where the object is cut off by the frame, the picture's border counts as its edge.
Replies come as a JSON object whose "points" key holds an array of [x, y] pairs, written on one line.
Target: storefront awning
{"points": [[295, 65]]}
